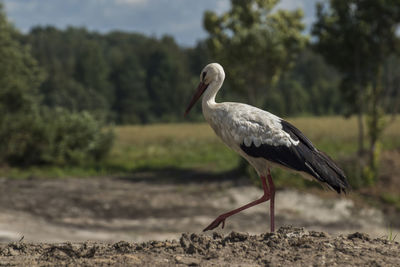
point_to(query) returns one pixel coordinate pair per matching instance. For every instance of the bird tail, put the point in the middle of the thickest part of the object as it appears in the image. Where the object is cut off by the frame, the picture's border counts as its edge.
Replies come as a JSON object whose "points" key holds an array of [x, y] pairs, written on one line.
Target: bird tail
{"points": [[326, 170]]}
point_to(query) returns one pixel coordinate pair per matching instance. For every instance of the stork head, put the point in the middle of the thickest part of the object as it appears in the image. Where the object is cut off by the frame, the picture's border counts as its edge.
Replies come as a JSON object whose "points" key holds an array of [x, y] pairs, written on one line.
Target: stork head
{"points": [[212, 73]]}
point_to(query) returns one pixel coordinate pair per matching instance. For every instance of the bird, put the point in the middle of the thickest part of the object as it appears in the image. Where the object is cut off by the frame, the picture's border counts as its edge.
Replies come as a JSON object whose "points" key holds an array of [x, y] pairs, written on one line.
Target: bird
{"points": [[265, 140]]}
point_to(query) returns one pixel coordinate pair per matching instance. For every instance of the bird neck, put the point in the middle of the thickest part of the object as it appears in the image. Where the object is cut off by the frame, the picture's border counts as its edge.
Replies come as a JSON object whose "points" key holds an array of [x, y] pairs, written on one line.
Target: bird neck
{"points": [[208, 101]]}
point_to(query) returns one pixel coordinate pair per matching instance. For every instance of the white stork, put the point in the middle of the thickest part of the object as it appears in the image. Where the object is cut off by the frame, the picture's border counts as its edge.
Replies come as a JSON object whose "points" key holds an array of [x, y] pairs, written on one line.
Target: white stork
{"points": [[264, 140]]}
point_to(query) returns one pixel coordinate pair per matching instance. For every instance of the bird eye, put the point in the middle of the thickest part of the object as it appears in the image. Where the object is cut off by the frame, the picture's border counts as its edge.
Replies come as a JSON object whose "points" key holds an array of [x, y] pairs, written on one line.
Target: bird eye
{"points": [[204, 75]]}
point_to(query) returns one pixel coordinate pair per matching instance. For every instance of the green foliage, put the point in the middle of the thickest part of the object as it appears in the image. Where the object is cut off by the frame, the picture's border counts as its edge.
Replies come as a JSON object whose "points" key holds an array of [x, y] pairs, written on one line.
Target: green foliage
{"points": [[20, 74], [23, 138], [255, 45], [19, 79], [129, 78], [126, 78], [76, 138], [392, 199], [358, 38], [53, 137], [167, 81], [32, 134], [77, 73], [310, 87]]}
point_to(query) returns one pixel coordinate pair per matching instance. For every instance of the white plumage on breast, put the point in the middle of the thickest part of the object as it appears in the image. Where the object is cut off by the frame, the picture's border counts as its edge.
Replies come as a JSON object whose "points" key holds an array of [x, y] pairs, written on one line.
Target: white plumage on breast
{"points": [[238, 123]]}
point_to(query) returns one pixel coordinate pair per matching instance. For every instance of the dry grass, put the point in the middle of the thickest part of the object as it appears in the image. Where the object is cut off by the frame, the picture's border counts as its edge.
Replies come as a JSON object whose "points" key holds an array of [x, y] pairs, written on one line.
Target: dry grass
{"points": [[316, 128], [320, 130], [136, 134], [188, 145]]}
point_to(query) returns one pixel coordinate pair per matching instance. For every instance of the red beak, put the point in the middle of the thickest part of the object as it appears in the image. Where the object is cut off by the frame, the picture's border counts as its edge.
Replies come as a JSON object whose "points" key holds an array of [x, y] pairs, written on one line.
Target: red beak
{"points": [[199, 91]]}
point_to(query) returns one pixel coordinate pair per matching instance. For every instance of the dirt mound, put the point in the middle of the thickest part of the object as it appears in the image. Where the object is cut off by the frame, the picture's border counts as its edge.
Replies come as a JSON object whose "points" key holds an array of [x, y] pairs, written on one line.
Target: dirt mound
{"points": [[289, 246]]}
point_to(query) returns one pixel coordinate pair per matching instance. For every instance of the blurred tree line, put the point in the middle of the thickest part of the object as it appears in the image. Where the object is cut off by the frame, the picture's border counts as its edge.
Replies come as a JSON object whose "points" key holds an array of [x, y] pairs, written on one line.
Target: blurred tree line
{"points": [[128, 78], [33, 133], [121, 77], [85, 78]]}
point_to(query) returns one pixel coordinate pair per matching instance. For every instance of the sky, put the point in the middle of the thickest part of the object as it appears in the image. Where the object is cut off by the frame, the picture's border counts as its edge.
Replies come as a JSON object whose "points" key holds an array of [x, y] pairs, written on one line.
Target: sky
{"points": [[181, 19]]}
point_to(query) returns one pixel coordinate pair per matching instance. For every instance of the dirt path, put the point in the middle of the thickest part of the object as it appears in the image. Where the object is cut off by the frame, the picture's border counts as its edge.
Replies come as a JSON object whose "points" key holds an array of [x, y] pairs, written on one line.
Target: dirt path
{"points": [[143, 208], [288, 247]]}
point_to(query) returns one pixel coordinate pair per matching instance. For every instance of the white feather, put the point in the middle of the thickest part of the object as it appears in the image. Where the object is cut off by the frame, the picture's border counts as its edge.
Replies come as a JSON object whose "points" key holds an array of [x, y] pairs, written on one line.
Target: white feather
{"points": [[237, 123]]}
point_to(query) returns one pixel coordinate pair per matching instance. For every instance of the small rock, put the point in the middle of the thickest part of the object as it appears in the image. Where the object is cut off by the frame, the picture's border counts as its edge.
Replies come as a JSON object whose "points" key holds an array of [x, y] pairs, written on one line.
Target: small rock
{"points": [[178, 259], [268, 236], [217, 235], [211, 255], [194, 237], [290, 231], [123, 247], [158, 244], [318, 234], [187, 261], [236, 237], [192, 249], [358, 235], [184, 241], [169, 244]]}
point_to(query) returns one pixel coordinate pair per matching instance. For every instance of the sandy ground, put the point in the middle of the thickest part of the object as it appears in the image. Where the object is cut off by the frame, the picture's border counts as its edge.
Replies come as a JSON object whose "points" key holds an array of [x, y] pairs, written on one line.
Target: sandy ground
{"points": [[139, 221], [144, 207]]}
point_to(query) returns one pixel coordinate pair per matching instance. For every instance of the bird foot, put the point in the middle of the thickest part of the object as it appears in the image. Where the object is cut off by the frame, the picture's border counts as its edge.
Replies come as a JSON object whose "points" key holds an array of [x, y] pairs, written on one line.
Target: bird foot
{"points": [[215, 223]]}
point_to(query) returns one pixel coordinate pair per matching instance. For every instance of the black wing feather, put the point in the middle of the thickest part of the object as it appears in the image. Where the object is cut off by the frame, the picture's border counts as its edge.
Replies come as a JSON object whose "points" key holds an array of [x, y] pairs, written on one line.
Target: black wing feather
{"points": [[302, 157]]}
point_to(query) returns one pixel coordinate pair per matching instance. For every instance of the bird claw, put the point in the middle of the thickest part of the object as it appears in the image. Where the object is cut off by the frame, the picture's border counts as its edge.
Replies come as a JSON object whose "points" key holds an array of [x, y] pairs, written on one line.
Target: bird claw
{"points": [[216, 223]]}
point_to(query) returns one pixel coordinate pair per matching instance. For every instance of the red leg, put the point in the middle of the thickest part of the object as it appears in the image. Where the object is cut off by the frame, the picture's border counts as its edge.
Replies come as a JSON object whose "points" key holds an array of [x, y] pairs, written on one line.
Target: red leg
{"points": [[272, 200], [221, 218]]}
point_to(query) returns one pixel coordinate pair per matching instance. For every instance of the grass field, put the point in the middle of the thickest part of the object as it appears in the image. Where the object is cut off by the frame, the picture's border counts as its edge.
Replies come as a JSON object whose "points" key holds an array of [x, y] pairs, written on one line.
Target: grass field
{"points": [[195, 146]]}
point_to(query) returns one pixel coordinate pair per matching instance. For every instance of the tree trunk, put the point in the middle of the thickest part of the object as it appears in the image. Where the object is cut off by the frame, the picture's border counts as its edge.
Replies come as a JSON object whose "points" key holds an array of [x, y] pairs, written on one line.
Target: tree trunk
{"points": [[360, 132], [375, 123], [360, 100]]}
